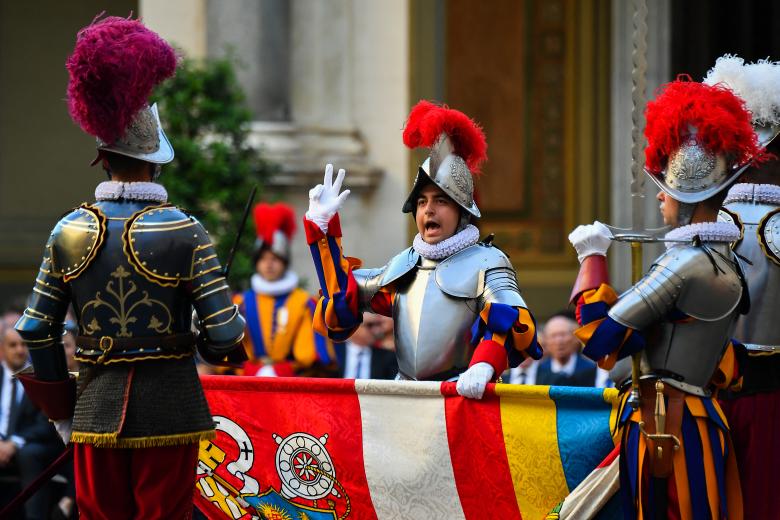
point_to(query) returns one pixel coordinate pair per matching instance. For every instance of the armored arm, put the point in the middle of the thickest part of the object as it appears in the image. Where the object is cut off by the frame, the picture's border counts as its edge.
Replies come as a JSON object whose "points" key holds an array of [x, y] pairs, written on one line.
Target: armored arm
{"points": [[505, 332], [221, 325], [73, 243], [612, 326], [41, 325]]}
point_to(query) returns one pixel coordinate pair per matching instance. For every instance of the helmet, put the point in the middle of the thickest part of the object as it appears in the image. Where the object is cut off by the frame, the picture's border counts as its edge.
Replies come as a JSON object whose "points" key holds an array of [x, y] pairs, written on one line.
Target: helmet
{"points": [[699, 140], [113, 68], [275, 227], [457, 150]]}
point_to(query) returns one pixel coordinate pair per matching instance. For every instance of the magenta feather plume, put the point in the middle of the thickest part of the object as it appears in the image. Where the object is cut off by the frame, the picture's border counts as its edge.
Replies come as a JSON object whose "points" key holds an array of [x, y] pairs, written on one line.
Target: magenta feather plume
{"points": [[114, 67]]}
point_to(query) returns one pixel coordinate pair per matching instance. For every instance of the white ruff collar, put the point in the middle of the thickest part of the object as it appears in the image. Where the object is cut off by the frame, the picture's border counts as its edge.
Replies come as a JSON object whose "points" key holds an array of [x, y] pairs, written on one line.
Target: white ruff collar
{"points": [[115, 190], [760, 193], [283, 285], [468, 236], [707, 231]]}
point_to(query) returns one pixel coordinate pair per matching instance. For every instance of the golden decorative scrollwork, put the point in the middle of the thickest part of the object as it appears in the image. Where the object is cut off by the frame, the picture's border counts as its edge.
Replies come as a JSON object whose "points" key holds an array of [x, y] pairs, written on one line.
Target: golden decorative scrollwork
{"points": [[123, 304]]}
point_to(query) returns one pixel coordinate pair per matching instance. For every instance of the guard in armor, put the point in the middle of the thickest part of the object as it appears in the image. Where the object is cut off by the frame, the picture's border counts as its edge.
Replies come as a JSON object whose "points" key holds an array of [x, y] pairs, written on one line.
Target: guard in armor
{"points": [[449, 292], [754, 206], [676, 459], [279, 340], [132, 266]]}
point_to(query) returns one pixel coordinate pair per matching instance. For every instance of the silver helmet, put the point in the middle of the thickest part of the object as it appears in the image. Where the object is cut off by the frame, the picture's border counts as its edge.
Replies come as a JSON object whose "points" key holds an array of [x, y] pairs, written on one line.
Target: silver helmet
{"points": [[144, 139], [449, 172], [693, 174]]}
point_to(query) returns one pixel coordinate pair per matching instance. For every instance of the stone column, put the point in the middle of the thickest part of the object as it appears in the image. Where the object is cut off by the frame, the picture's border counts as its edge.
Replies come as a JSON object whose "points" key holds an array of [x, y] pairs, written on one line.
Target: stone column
{"points": [[658, 72], [182, 22]]}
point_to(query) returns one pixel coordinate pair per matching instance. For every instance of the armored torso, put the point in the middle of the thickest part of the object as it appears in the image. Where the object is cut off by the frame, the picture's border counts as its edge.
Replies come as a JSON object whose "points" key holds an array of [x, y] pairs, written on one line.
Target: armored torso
{"points": [[685, 307], [436, 302], [759, 245]]}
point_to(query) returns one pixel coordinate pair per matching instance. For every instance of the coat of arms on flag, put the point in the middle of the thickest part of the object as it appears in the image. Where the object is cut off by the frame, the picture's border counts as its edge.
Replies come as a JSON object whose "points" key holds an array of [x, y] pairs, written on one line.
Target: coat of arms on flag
{"points": [[296, 449]]}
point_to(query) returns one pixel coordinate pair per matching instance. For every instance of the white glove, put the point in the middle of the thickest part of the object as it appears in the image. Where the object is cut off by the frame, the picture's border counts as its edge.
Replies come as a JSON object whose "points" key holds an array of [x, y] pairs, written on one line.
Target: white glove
{"points": [[64, 427], [266, 371], [473, 381], [325, 199], [591, 239]]}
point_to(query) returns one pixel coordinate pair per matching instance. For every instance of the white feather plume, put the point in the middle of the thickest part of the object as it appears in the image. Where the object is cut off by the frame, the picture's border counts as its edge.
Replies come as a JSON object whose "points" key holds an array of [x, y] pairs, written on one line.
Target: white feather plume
{"points": [[758, 84]]}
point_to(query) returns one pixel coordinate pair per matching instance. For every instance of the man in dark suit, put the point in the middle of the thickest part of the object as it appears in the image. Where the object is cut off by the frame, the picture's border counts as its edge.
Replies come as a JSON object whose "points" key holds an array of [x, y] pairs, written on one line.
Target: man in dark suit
{"points": [[28, 441], [364, 355], [565, 366]]}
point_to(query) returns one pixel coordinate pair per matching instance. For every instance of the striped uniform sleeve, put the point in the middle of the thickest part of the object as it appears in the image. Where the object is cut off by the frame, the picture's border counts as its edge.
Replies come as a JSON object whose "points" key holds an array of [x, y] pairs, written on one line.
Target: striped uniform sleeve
{"points": [[605, 339], [728, 375], [336, 315], [504, 336]]}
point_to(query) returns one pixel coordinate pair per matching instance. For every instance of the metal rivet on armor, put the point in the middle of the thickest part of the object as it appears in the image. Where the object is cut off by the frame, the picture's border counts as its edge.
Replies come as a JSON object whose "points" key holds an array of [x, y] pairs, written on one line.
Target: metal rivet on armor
{"points": [[166, 274], [154, 270], [83, 257], [157, 349], [140, 350], [143, 263]]}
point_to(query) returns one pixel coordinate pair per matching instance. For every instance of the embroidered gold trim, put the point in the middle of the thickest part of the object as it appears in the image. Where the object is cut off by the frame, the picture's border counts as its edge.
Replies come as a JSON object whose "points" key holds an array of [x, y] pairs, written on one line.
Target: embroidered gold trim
{"points": [[53, 297], [209, 293], [231, 318], [204, 285], [93, 250], [123, 306], [47, 285], [159, 230], [230, 308], [112, 440], [164, 281], [216, 267], [120, 359]]}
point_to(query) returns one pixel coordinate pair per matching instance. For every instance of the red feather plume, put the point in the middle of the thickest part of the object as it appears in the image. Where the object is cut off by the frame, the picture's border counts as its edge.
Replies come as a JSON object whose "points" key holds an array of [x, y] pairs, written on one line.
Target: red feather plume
{"points": [[114, 67], [272, 217], [427, 121], [721, 120]]}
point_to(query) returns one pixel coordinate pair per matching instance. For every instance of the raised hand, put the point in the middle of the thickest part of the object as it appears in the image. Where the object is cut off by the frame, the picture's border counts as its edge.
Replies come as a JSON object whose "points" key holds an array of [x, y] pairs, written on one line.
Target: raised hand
{"points": [[591, 239], [325, 199]]}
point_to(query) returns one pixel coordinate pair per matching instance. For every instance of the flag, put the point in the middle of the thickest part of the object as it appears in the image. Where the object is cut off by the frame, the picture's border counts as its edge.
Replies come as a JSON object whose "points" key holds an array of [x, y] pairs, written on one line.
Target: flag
{"points": [[297, 448]]}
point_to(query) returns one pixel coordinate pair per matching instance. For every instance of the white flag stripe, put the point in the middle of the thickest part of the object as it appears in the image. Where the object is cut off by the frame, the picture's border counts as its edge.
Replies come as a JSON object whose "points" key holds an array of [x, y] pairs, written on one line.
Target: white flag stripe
{"points": [[407, 457]]}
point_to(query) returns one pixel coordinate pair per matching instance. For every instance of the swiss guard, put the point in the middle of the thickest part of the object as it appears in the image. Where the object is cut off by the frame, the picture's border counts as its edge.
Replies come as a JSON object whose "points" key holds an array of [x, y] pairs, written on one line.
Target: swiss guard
{"points": [[676, 455], [280, 340], [132, 266], [448, 286], [754, 206]]}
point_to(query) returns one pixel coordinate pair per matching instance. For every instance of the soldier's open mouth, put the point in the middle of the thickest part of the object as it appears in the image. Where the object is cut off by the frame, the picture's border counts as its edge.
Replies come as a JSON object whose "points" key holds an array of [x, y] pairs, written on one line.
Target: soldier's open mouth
{"points": [[431, 225]]}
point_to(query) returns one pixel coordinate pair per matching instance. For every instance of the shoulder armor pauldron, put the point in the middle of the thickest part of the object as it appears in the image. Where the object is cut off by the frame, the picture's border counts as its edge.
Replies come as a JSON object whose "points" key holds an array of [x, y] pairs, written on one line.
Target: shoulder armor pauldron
{"points": [[480, 270], [704, 294], [769, 235], [725, 215], [167, 246], [399, 265], [76, 240]]}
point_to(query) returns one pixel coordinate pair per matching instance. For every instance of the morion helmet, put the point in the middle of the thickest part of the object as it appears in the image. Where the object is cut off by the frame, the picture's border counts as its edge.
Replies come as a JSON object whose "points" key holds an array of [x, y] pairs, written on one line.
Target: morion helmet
{"points": [[457, 150], [275, 227], [699, 140], [113, 69]]}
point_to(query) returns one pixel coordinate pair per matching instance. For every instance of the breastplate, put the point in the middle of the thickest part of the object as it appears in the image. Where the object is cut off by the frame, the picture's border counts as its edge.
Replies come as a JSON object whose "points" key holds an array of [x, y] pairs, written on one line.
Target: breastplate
{"points": [[760, 325], [687, 354], [430, 326], [112, 299]]}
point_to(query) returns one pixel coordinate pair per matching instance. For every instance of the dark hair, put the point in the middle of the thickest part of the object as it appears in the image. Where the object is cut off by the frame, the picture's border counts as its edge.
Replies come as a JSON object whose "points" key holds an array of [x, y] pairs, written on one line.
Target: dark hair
{"points": [[122, 163]]}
